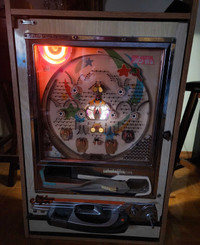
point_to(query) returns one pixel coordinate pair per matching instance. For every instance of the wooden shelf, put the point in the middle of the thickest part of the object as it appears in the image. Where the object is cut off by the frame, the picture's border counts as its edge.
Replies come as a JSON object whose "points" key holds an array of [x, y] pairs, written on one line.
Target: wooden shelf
{"points": [[99, 14]]}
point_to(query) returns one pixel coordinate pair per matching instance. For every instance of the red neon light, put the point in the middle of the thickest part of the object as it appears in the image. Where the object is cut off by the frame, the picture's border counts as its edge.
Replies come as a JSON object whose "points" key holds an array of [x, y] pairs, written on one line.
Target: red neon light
{"points": [[55, 54]]}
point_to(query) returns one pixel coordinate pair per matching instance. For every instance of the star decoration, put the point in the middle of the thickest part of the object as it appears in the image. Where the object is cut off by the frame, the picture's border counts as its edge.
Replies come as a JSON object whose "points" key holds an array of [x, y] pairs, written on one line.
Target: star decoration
{"points": [[88, 62], [70, 111], [78, 119], [124, 71]]}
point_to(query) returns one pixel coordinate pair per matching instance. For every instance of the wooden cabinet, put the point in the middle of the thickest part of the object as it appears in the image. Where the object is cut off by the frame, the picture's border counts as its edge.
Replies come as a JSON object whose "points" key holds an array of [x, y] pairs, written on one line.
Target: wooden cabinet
{"points": [[112, 161]]}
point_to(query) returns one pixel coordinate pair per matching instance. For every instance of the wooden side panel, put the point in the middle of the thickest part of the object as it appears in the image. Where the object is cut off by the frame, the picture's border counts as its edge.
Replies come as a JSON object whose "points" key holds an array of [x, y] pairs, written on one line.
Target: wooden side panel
{"points": [[16, 104], [183, 79]]}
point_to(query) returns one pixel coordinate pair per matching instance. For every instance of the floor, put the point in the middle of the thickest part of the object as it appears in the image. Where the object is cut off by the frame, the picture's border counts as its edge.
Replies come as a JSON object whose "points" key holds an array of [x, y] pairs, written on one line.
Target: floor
{"points": [[183, 219]]}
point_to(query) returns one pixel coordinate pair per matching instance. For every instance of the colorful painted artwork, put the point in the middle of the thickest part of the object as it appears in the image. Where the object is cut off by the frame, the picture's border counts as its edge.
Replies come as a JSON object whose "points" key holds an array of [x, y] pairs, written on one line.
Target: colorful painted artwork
{"points": [[98, 102]]}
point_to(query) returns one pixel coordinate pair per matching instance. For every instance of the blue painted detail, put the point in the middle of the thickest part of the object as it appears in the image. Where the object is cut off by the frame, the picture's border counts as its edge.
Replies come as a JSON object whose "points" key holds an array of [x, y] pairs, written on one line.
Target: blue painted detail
{"points": [[43, 179], [109, 134], [128, 56], [127, 87], [138, 93], [78, 119], [88, 62], [138, 90]]}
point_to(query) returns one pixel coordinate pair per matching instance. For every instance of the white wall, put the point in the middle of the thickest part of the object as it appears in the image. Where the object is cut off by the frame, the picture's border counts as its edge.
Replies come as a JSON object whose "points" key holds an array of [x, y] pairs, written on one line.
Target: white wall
{"points": [[193, 75]]}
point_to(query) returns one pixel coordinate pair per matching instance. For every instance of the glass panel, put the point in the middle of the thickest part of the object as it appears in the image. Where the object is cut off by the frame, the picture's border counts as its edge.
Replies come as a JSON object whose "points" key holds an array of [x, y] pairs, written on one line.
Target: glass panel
{"points": [[97, 103]]}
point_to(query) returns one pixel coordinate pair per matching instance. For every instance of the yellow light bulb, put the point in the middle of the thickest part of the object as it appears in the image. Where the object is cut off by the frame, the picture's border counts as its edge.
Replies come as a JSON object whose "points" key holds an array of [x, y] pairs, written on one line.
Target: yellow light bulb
{"points": [[92, 130], [101, 130]]}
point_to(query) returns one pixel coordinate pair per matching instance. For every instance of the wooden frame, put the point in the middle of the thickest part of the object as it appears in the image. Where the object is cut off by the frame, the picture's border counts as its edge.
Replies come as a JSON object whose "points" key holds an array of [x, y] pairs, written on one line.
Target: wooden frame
{"points": [[190, 18]]}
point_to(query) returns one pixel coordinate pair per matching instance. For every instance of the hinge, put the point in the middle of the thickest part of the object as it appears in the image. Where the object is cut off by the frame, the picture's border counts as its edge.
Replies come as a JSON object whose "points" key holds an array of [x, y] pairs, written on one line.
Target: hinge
{"points": [[28, 22]]}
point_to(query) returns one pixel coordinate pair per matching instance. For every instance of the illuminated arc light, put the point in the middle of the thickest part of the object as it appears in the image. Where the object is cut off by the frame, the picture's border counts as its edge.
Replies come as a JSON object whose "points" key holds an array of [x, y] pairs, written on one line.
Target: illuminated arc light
{"points": [[55, 54]]}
